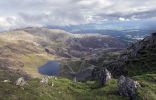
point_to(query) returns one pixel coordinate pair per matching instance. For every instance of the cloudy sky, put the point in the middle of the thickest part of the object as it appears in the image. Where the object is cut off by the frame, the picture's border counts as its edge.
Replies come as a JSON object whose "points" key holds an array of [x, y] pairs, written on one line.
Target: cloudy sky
{"points": [[24, 13]]}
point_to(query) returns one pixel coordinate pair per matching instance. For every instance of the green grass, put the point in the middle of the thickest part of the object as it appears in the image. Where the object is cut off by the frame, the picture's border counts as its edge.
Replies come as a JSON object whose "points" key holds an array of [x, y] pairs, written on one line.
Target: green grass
{"points": [[144, 63], [63, 89], [147, 91], [33, 61]]}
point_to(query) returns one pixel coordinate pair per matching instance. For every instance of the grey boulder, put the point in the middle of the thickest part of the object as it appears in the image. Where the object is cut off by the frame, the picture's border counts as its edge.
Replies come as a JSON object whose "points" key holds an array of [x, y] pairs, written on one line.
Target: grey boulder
{"points": [[20, 81], [104, 76], [127, 86]]}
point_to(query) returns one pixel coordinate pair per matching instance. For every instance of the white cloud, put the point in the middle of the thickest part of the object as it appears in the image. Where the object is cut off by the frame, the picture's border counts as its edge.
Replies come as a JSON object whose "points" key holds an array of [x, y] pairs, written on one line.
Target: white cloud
{"points": [[123, 19], [20, 13], [8, 22]]}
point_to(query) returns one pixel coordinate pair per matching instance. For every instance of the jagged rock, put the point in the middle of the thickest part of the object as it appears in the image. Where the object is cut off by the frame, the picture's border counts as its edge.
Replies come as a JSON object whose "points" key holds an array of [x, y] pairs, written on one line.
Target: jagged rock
{"points": [[108, 75], [115, 67], [104, 76], [44, 80], [20, 81], [127, 86]]}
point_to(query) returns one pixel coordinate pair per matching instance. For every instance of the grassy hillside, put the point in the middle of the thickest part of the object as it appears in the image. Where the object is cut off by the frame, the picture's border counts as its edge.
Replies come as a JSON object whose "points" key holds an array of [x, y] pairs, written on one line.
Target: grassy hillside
{"points": [[64, 89], [139, 63], [147, 91], [143, 63]]}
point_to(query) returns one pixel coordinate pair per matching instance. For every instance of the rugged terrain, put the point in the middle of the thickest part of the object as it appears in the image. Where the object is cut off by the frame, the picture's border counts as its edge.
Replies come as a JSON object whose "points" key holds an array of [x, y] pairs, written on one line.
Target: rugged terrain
{"points": [[23, 50], [137, 61]]}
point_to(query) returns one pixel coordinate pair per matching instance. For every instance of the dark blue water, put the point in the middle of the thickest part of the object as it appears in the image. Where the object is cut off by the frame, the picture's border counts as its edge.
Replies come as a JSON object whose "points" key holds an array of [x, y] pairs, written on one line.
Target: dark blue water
{"points": [[51, 68]]}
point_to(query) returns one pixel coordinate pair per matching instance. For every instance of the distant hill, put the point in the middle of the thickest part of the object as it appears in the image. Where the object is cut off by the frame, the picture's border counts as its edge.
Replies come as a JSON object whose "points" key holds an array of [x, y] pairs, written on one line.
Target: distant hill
{"points": [[28, 48]]}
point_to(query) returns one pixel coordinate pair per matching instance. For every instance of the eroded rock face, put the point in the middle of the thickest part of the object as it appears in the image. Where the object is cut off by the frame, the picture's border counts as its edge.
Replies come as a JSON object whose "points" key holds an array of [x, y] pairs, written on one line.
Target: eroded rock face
{"points": [[20, 81], [108, 75], [127, 86], [104, 76]]}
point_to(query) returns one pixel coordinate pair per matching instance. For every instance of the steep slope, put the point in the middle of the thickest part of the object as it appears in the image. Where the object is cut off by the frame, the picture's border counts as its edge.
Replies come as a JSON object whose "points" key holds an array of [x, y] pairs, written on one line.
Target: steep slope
{"points": [[139, 58], [143, 60], [138, 62]]}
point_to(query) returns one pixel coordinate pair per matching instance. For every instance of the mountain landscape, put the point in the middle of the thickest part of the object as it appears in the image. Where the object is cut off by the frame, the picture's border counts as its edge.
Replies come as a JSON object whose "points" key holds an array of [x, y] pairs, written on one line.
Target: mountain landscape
{"points": [[81, 58], [77, 50], [41, 44]]}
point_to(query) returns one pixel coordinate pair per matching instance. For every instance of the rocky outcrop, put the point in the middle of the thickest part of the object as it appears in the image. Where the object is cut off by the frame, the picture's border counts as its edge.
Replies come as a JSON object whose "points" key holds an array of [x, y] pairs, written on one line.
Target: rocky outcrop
{"points": [[20, 81], [44, 80], [108, 75], [104, 76], [127, 86], [115, 67]]}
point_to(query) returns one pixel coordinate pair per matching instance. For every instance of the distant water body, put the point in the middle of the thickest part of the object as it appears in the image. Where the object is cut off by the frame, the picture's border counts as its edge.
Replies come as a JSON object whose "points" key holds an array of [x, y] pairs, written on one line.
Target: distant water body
{"points": [[51, 68]]}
